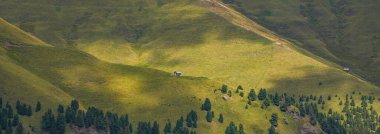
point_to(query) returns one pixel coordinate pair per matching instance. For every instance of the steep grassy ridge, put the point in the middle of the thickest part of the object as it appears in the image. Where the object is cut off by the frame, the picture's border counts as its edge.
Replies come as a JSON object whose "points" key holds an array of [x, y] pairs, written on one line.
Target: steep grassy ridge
{"points": [[18, 83], [9, 32], [343, 31]]}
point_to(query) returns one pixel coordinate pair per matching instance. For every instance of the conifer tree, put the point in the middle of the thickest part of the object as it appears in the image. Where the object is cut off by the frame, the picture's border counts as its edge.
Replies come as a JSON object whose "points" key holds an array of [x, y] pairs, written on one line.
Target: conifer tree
{"points": [[209, 116], [61, 123], [262, 94], [241, 94], [155, 128], [231, 129], [273, 120], [60, 109], [272, 130], [252, 95], [168, 128], [19, 129], [206, 105], [38, 106], [224, 89], [220, 118], [15, 120], [276, 100], [75, 105]]}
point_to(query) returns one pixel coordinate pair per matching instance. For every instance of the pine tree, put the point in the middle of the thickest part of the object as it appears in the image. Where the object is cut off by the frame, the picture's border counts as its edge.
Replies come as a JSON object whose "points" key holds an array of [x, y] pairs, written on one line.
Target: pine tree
{"points": [[79, 121], [231, 129], [241, 94], [262, 94], [60, 109], [272, 130], [252, 95], [276, 100], [224, 89], [155, 128], [29, 111], [8, 130], [209, 116], [61, 123], [19, 129], [38, 106], [15, 120], [273, 120], [168, 128], [352, 102], [220, 118], [75, 105], [191, 119], [206, 105]]}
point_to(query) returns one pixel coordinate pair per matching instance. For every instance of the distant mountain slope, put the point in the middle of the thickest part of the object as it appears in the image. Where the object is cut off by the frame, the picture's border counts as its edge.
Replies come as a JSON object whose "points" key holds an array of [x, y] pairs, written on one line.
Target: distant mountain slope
{"points": [[343, 31], [184, 36], [13, 34]]}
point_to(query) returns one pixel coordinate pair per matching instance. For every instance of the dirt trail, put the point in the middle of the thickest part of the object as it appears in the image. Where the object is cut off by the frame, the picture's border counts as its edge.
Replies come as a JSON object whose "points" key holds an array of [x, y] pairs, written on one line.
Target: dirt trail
{"points": [[240, 20]]}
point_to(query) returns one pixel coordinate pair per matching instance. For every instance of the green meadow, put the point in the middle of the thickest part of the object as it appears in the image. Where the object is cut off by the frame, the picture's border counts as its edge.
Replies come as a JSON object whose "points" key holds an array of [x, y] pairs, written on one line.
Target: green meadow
{"points": [[119, 56]]}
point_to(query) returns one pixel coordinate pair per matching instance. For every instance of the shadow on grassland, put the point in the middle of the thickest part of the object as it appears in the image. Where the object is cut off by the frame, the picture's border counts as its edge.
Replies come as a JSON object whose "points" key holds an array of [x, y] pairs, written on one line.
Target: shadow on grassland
{"points": [[323, 82]]}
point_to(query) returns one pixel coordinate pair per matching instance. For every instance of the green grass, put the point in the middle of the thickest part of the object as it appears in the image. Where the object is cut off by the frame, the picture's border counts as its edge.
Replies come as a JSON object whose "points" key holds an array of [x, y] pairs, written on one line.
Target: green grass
{"points": [[155, 40], [9, 32], [137, 90], [355, 46]]}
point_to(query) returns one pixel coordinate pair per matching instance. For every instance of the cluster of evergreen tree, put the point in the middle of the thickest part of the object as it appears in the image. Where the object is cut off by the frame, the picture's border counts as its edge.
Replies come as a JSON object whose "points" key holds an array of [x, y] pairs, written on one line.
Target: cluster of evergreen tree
{"points": [[91, 118], [146, 128], [180, 128], [233, 129], [9, 120], [23, 109], [355, 119], [191, 119]]}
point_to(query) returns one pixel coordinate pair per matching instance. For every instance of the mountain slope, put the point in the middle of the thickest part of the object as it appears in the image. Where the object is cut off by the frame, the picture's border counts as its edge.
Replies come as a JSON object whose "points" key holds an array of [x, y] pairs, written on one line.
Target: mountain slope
{"points": [[18, 83], [342, 31], [56, 76], [9, 32], [185, 36]]}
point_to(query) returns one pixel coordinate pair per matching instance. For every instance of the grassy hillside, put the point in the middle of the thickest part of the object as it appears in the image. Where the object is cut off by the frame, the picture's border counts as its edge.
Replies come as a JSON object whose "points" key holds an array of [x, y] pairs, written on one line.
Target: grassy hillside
{"points": [[136, 89], [147, 39], [56, 76], [199, 43], [18, 83], [9, 32], [343, 31]]}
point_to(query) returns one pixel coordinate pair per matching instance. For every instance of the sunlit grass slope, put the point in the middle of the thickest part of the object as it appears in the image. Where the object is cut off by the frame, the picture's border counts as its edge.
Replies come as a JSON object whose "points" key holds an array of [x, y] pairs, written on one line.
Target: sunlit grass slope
{"points": [[179, 35], [145, 94], [226, 53], [18, 83]]}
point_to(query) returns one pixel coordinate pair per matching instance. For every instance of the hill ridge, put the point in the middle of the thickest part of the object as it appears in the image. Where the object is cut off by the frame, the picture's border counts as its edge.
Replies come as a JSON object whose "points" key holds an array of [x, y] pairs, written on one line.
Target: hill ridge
{"points": [[17, 35], [242, 21]]}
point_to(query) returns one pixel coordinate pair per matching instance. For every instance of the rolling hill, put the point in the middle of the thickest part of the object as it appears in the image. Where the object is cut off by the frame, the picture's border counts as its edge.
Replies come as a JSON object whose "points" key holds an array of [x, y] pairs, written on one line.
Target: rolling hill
{"points": [[117, 55], [58, 75]]}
